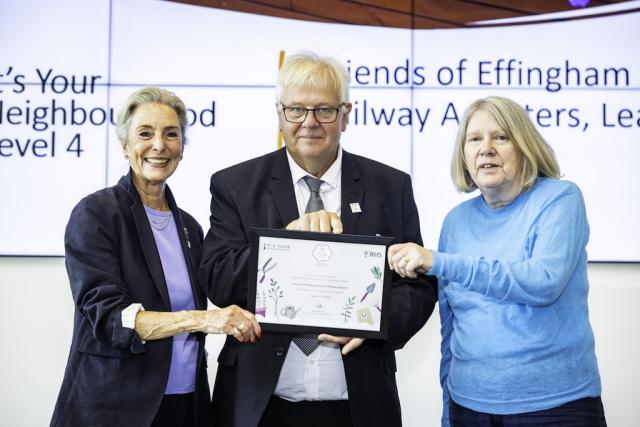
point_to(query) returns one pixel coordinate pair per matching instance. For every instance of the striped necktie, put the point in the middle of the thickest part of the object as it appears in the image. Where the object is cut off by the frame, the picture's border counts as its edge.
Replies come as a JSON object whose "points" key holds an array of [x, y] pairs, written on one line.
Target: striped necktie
{"points": [[309, 343]]}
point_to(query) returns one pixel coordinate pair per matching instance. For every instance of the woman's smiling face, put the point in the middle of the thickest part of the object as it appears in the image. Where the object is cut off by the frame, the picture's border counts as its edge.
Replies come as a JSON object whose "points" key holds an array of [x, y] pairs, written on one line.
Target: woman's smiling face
{"points": [[154, 143]]}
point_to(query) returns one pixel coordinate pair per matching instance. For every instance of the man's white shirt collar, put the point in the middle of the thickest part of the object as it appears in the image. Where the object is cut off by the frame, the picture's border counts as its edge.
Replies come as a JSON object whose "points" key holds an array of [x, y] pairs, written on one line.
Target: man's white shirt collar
{"points": [[330, 177]]}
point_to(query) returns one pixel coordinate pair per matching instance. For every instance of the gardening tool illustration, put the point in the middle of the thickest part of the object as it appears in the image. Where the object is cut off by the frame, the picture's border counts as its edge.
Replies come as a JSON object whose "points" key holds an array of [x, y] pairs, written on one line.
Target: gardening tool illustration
{"points": [[266, 268], [368, 291]]}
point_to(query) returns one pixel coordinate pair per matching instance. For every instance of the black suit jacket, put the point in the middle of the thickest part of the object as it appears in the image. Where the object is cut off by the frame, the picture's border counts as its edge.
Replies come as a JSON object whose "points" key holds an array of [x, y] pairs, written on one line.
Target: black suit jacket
{"points": [[112, 378], [260, 193]]}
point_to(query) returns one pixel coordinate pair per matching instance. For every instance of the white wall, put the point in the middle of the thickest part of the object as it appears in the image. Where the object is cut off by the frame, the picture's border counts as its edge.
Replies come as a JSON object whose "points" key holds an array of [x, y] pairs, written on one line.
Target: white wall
{"points": [[37, 317]]}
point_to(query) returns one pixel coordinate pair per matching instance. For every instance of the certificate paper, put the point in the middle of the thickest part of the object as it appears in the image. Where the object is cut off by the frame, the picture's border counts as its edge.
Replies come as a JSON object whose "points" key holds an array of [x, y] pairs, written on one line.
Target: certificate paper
{"points": [[319, 283]]}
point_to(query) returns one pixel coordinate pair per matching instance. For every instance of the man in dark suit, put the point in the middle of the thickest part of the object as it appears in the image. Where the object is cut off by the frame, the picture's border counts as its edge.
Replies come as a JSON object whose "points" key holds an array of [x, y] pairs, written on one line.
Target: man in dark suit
{"points": [[312, 184]]}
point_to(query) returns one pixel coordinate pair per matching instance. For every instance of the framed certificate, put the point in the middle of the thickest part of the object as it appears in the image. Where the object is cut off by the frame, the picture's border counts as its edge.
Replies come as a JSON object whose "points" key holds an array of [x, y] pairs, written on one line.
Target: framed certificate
{"points": [[306, 282]]}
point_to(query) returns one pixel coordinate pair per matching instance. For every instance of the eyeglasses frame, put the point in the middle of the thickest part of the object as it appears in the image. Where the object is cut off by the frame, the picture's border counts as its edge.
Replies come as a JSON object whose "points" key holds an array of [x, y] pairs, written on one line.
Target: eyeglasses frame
{"points": [[282, 107]]}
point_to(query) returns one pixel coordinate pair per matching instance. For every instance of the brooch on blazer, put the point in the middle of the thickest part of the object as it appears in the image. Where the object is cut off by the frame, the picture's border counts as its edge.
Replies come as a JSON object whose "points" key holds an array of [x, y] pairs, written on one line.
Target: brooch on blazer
{"points": [[186, 236]]}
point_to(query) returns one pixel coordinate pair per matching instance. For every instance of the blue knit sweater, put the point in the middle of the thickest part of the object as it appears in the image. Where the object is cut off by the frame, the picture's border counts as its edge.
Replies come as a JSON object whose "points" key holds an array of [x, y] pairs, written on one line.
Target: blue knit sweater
{"points": [[513, 303]]}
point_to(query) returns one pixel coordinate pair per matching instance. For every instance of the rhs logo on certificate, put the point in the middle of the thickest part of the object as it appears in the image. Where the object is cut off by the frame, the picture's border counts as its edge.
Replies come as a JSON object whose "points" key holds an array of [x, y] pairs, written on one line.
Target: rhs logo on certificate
{"points": [[307, 282]]}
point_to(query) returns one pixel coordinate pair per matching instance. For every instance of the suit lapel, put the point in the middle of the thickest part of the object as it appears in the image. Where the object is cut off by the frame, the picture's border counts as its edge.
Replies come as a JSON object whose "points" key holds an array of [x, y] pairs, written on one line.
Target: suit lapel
{"points": [[148, 244], [281, 188], [352, 193]]}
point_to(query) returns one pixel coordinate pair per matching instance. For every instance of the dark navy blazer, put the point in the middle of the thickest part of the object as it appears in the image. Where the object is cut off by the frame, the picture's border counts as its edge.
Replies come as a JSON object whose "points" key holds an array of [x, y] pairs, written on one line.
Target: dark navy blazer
{"points": [[112, 378], [260, 192]]}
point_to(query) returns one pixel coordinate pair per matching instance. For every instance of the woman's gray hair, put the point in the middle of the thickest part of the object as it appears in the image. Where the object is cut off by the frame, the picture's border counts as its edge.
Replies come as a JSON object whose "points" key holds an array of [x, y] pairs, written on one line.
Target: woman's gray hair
{"points": [[150, 94], [308, 70], [538, 158]]}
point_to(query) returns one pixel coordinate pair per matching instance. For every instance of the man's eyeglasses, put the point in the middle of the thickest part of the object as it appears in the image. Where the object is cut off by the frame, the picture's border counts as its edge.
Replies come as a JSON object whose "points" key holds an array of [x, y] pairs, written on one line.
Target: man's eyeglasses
{"points": [[322, 114]]}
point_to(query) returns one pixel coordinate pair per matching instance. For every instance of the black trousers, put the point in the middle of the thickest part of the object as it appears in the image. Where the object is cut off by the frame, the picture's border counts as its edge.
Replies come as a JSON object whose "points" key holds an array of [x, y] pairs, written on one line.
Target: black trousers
{"points": [[176, 410], [320, 413], [586, 412]]}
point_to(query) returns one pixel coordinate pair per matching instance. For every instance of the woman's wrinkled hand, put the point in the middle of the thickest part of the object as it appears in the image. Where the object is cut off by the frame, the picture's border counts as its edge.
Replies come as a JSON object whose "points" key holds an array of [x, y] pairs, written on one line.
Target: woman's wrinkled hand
{"points": [[232, 320], [409, 259]]}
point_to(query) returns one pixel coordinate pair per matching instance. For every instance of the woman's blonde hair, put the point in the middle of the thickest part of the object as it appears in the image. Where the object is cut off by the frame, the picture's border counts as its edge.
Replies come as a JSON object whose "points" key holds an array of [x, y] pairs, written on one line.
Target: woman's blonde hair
{"points": [[538, 158]]}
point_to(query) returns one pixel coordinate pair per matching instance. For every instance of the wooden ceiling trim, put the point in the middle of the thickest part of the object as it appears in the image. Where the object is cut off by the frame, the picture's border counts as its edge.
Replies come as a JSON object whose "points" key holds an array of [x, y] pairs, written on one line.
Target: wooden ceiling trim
{"points": [[568, 18], [498, 9], [545, 6], [425, 18], [259, 9], [403, 6], [426, 14], [461, 12], [356, 13]]}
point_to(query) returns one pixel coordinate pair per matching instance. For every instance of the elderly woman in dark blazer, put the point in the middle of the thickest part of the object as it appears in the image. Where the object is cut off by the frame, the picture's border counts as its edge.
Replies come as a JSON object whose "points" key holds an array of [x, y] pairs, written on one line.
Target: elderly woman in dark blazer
{"points": [[137, 356]]}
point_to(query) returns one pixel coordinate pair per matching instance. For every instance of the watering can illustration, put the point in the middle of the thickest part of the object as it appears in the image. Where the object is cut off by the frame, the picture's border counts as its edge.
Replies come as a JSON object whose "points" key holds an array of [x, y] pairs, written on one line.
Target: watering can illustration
{"points": [[289, 311]]}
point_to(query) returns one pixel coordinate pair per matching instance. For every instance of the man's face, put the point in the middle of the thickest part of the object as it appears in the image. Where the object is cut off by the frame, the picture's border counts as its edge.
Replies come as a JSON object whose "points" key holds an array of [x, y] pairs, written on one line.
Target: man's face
{"points": [[313, 145]]}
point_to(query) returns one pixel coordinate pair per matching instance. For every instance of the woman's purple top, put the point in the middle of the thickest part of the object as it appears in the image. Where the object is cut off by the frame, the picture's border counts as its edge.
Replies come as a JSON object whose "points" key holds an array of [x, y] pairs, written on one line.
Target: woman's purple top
{"points": [[182, 374]]}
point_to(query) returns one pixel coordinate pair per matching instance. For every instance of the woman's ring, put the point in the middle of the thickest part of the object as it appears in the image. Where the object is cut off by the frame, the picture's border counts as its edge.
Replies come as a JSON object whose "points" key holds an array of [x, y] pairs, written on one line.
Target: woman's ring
{"points": [[241, 327], [406, 260], [234, 331]]}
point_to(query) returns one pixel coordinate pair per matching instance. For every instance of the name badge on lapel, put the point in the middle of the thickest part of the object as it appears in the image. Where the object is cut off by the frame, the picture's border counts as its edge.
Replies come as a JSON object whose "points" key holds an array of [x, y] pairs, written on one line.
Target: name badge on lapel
{"points": [[355, 207]]}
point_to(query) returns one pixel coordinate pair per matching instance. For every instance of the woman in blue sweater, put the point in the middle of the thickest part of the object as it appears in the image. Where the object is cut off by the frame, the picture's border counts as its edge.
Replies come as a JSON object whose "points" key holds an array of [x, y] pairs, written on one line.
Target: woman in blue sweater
{"points": [[517, 347]]}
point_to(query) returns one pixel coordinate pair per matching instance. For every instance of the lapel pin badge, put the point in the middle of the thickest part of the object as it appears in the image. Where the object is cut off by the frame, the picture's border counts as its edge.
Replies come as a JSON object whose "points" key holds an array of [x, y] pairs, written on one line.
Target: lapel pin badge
{"points": [[186, 235], [355, 208]]}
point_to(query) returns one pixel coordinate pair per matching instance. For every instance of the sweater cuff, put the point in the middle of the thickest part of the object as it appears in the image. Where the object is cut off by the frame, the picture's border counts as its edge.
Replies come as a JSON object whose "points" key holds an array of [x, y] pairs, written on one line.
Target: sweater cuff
{"points": [[438, 264]]}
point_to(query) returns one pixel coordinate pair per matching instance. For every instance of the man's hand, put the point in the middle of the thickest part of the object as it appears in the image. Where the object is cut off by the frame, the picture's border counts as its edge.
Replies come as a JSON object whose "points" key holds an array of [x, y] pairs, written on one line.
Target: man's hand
{"points": [[319, 221], [348, 343]]}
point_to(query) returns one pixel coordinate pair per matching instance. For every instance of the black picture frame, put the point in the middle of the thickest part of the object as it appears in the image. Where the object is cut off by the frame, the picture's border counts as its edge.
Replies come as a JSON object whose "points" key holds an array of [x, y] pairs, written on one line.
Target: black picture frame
{"points": [[258, 233]]}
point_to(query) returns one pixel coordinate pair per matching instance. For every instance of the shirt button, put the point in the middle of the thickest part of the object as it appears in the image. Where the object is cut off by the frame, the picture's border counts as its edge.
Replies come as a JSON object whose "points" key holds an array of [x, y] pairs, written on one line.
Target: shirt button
{"points": [[279, 351]]}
